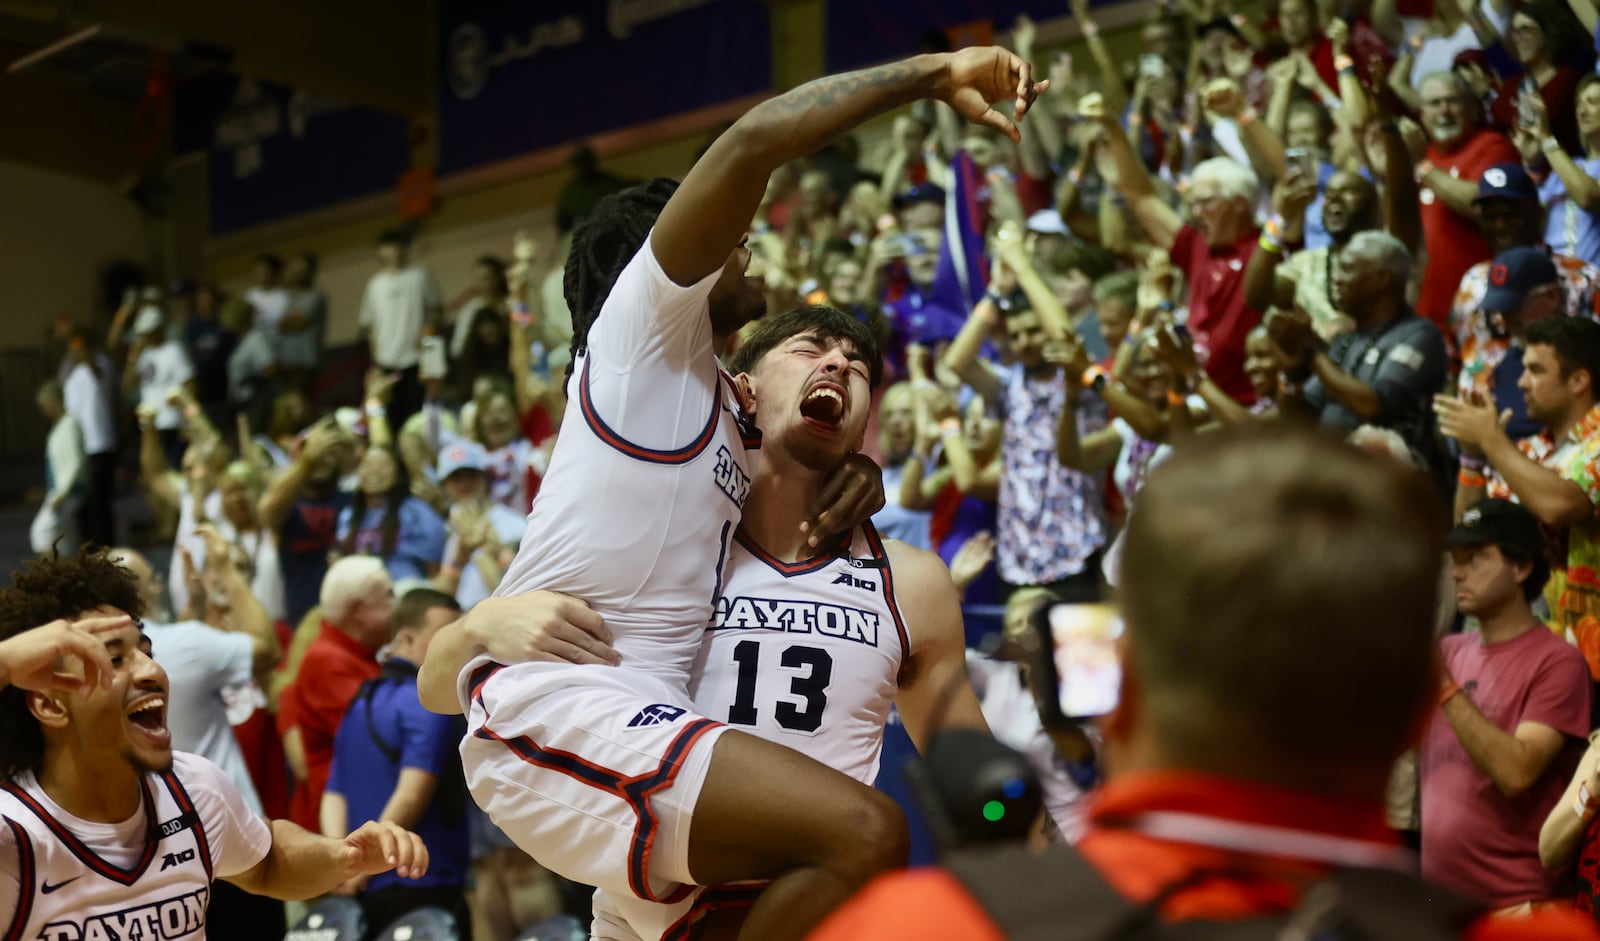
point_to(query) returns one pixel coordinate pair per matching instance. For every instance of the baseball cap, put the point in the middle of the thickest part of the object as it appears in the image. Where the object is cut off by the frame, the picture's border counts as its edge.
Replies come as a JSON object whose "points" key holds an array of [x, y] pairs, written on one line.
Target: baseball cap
{"points": [[462, 455], [1513, 273], [925, 193], [1506, 181], [1048, 222], [1492, 521]]}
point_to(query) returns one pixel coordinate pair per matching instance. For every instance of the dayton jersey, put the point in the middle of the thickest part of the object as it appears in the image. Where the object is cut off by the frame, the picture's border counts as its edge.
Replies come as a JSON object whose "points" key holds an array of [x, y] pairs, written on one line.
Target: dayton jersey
{"points": [[809, 654], [146, 879], [648, 477]]}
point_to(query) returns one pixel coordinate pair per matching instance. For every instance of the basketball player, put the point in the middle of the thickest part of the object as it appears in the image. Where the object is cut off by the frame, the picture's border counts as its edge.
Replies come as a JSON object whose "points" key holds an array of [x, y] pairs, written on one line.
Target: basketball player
{"points": [[597, 772], [105, 832], [810, 648]]}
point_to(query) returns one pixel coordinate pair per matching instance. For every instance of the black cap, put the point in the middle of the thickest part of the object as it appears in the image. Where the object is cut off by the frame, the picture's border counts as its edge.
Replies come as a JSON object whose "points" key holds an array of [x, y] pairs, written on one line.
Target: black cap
{"points": [[1492, 521]]}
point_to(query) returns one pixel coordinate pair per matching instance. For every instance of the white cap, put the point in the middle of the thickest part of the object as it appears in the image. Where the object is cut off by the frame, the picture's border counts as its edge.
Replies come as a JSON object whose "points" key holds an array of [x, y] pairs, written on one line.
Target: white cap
{"points": [[1049, 222]]}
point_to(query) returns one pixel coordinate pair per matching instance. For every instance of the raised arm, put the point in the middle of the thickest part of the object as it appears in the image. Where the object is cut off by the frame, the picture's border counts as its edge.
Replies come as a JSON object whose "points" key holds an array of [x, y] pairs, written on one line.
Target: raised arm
{"points": [[708, 215], [1158, 219], [245, 613]]}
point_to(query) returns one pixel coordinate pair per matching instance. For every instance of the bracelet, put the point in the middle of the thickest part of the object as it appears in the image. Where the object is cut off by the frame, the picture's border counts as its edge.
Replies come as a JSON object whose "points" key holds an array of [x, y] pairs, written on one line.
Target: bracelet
{"points": [[374, 408], [1471, 479], [1449, 692], [1473, 462]]}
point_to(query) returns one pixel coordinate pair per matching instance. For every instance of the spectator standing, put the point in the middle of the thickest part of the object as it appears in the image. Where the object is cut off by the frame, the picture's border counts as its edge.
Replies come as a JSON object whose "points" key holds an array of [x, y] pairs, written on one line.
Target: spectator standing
{"points": [[304, 328], [395, 761], [269, 298], [253, 374], [1568, 188], [1457, 154], [1515, 700], [1555, 472], [1386, 371], [385, 520], [56, 524], [209, 344], [1212, 253], [483, 534], [86, 396], [357, 600], [302, 507], [1548, 42], [398, 302], [897, 429], [158, 370]]}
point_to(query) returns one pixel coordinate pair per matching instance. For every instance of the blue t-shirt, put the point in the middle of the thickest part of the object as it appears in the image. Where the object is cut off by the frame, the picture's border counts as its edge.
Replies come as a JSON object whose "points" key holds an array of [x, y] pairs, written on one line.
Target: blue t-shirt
{"points": [[419, 537], [1569, 230], [366, 776], [307, 534]]}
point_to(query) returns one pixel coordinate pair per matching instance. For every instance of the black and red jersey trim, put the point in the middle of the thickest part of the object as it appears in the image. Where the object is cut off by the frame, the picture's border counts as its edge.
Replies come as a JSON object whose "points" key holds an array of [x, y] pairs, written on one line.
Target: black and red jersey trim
{"points": [[830, 554], [85, 855], [715, 898], [612, 439], [635, 791], [187, 809], [875, 543], [27, 877]]}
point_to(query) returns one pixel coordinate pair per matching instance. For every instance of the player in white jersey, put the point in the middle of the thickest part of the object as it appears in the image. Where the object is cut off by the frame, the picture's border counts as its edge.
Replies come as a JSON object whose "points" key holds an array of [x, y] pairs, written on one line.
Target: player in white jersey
{"points": [[810, 647], [105, 832], [597, 772]]}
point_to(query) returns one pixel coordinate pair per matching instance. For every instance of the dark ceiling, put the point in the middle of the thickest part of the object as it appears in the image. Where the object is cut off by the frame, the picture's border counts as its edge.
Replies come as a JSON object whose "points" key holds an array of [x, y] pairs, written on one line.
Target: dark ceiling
{"points": [[80, 109]]}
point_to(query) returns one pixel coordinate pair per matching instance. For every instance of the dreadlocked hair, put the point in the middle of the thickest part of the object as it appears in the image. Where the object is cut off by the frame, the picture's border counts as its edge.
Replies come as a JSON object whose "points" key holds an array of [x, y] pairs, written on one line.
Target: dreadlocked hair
{"points": [[602, 245], [48, 589]]}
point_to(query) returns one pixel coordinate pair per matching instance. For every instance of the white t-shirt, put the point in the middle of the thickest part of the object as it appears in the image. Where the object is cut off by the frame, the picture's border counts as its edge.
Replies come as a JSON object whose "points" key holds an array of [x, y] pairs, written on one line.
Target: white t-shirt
{"points": [[271, 306], [1439, 52], [200, 661], [177, 588], [508, 528], [86, 401], [163, 370], [238, 839], [394, 308]]}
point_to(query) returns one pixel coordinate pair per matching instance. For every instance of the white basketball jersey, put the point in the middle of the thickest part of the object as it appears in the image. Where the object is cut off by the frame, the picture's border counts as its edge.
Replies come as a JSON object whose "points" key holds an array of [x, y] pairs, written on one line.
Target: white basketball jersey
{"points": [[68, 893], [648, 477], [807, 655]]}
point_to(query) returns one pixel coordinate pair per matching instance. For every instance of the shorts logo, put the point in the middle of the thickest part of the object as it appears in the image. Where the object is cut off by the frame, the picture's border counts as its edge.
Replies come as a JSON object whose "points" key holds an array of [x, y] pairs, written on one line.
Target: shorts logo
{"points": [[658, 714]]}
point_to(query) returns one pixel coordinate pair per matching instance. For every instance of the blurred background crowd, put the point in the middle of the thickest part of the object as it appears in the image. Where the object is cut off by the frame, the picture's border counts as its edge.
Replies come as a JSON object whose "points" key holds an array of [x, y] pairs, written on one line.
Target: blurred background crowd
{"points": [[1381, 216]]}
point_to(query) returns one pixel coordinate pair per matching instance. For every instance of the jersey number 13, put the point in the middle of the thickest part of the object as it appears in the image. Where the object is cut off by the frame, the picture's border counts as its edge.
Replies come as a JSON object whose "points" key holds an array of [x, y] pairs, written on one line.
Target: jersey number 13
{"points": [[810, 686]]}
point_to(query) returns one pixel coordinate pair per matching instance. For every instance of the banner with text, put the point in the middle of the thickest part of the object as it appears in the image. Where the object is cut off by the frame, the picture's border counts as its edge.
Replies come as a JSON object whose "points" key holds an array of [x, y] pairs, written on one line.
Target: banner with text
{"points": [[517, 77]]}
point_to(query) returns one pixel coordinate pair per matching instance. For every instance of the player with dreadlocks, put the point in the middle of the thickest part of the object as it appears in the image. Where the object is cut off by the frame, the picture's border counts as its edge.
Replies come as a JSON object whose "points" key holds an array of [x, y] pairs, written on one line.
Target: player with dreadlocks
{"points": [[604, 773]]}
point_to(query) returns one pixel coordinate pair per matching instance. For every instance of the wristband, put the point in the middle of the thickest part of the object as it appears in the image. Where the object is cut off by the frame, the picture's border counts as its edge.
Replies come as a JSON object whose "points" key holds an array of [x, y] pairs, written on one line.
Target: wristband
{"points": [[1342, 62], [949, 426], [1175, 398], [374, 408], [1583, 805], [1470, 479], [1424, 168], [1550, 145], [1246, 117], [1088, 29], [1473, 462], [1269, 243], [1094, 378], [1449, 692]]}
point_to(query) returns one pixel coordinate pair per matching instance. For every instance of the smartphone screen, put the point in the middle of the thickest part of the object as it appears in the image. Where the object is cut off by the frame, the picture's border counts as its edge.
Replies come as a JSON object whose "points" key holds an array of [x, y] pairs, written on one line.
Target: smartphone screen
{"points": [[1081, 644], [432, 363]]}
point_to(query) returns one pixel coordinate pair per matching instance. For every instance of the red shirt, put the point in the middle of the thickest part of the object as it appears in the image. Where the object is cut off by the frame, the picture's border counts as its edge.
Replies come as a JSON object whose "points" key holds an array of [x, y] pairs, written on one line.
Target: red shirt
{"points": [[1560, 96], [331, 673], [1475, 840], [1454, 242], [1219, 319], [931, 905]]}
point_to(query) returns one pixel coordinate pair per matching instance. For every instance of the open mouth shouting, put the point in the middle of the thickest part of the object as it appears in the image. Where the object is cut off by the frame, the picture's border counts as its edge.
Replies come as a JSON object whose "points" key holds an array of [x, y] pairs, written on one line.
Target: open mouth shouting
{"points": [[148, 714], [824, 406]]}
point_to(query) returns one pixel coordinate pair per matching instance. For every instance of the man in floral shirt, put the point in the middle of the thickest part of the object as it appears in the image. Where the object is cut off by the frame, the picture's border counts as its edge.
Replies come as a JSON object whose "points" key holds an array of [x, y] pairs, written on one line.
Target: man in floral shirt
{"points": [[1511, 216], [1555, 472]]}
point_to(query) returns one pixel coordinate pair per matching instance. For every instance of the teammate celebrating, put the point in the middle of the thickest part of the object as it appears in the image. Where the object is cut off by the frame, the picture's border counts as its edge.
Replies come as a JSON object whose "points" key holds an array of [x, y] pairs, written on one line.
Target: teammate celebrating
{"points": [[105, 832], [598, 772]]}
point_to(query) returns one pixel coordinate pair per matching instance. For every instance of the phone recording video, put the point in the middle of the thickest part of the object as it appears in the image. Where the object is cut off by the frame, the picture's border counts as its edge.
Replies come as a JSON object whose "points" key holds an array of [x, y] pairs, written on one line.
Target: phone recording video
{"points": [[1079, 648]]}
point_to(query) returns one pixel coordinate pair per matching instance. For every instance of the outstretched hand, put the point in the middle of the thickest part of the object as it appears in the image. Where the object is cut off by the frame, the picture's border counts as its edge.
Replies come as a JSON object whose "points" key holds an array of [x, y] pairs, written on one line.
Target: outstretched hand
{"points": [[981, 75], [381, 846]]}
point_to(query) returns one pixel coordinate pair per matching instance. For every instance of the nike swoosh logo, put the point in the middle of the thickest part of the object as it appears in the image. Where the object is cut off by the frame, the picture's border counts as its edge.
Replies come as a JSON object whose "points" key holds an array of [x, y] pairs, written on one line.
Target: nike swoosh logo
{"points": [[47, 888]]}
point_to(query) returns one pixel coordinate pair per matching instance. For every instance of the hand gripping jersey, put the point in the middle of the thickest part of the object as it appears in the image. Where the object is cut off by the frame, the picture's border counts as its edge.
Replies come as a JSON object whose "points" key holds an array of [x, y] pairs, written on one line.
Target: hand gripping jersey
{"points": [[66, 891], [807, 655]]}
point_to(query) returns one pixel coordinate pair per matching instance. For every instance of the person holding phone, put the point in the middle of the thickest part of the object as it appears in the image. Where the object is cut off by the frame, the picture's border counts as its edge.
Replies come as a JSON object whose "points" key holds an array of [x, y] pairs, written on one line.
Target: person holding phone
{"points": [[1551, 45]]}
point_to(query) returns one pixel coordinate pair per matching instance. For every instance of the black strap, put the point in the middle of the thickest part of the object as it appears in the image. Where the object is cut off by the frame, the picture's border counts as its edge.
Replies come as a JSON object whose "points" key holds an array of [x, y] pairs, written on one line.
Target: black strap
{"points": [[451, 794], [1057, 895]]}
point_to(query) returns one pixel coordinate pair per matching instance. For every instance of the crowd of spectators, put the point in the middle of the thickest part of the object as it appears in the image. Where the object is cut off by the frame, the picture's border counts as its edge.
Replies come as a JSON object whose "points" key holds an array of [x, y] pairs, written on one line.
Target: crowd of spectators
{"points": [[1382, 220]]}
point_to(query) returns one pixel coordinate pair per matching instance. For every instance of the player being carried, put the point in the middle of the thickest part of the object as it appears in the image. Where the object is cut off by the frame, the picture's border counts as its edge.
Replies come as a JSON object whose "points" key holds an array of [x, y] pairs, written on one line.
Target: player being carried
{"points": [[606, 775], [105, 831]]}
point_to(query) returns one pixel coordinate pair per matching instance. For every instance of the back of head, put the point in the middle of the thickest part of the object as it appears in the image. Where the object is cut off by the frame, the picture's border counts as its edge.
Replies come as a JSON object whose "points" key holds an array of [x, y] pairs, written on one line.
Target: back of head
{"points": [[1280, 589], [412, 609], [603, 244], [56, 586], [346, 584], [815, 320]]}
